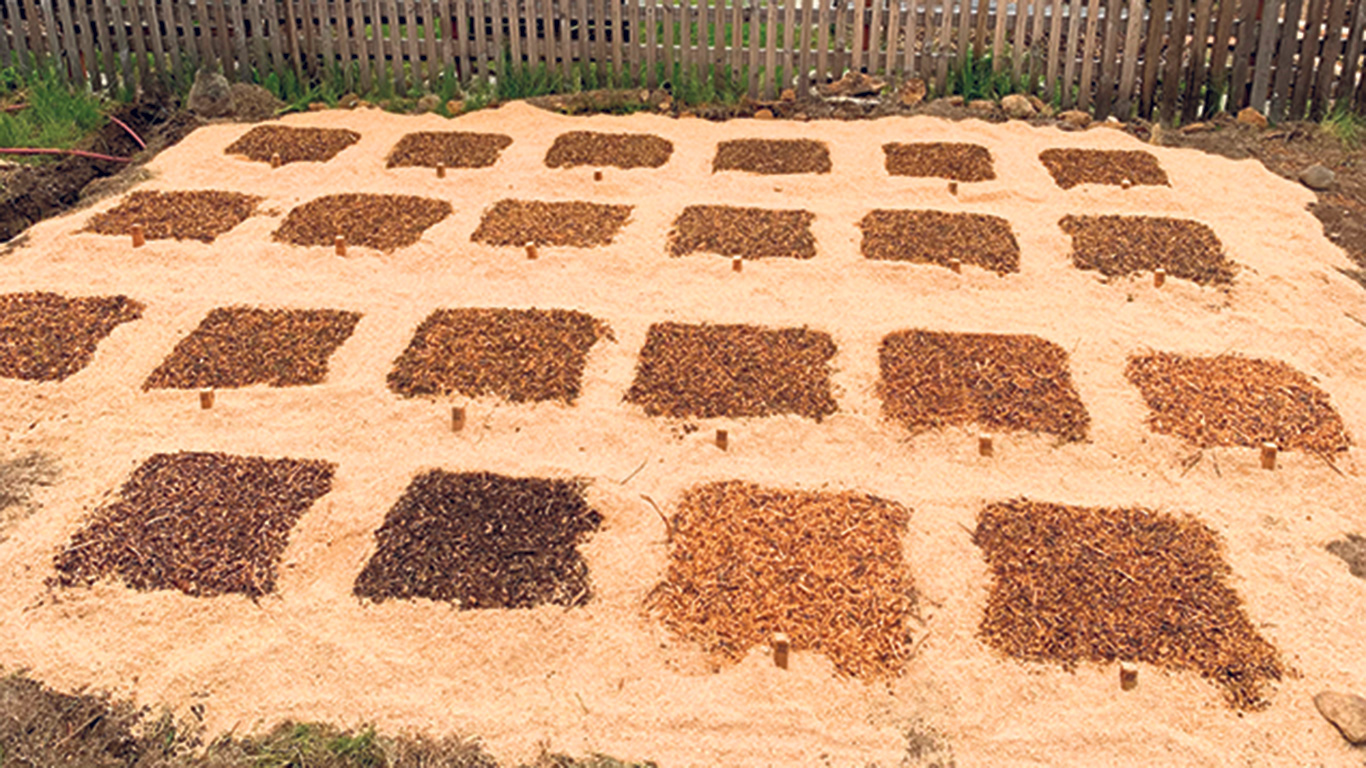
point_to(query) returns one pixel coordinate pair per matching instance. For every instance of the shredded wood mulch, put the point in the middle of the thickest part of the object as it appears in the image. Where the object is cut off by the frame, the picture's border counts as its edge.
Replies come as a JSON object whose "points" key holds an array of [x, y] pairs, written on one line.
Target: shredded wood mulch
{"points": [[1235, 400], [824, 568], [203, 523], [241, 346], [481, 540], [772, 156], [453, 149], [940, 159], [315, 145], [47, 337], [1079, 584], [937, 237], [617, 150], [382, 222], [199, 215], [751, 233], [577, 224], [1071, 167], [998, 382], [706, 371], [521, 355], [1118, 246]]}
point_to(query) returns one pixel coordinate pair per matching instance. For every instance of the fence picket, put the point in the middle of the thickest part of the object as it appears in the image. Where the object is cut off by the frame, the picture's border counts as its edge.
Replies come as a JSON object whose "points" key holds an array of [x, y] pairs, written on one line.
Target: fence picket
{"points": [[1354, 46], [1105, 87], [1304, 74], [1088, 61], [1219, 54], [1330, 53], [1285, 63], [1195, 77]]}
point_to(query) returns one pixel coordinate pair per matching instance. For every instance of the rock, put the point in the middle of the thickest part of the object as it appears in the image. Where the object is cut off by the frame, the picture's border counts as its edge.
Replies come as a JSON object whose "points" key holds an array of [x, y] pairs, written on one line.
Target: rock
{"points": [[912, 92], [1046, 111], [1036, 102], [253, 103], [1252, 117], [428, 103], [800, 117], [645, 96], [955, 101], [665, 105], [1317, 177], [455, 107], [854, 84], [210, 96], [1197, 128], [1345, 711], [1017, 107], [788, 94], [1075, 118], [317, 106], [349, 101], [982, 105], [764, 114]]}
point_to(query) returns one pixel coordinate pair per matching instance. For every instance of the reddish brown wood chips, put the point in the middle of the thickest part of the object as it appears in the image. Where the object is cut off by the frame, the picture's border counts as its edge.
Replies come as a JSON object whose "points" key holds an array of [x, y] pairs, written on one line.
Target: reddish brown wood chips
{"points": [[944, 160], [824, 568], [617, 150], [1071, 167], [772, 156], [47, 337], [1080, 584], [382, 222], [998, 382], [1118, 246], [936, 237], [202, 523], [752, 233], [577, 224], [1235, 400], [453, 149], [200, 215], [293, 145]]}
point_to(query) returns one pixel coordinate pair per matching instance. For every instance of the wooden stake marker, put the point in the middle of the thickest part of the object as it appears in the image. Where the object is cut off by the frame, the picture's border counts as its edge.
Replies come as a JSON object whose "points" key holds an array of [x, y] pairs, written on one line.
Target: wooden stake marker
{"points": [[956, 265], [1268, 455], [139, 236], [1125, 183], [597, 175], [206, 399], [1159, 277], [531, 251], [781, 647], [1128, 675], [953, 188], [737, 264], [441, 170], [275, 161], [722, 439], [341, 245], [457, 418], [985, 447]]}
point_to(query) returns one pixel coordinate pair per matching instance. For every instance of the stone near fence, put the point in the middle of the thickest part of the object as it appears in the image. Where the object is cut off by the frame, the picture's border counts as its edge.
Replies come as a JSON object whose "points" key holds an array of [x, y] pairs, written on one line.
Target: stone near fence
{"points": [[211, 95], [428, 103], [854, 85], [912, 92], [1252, 117], [1317, 177], [1075, 118], [982, 105], [1017, 106], [764, 114]]}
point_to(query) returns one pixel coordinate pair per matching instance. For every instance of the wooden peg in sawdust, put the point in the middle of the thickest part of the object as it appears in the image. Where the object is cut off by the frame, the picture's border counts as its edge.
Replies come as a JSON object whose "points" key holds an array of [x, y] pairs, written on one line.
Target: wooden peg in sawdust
{"points": [[985, 445], [340, 242], [441, 170], [139, 235], [781, 646], [206, 399], [737, 264], [956, 265], [1159, 277], [457, 418], [531, 251], [1128, 675], [275, 161], [953, 188], [597, 175], [1269, 451], [722, 439]]}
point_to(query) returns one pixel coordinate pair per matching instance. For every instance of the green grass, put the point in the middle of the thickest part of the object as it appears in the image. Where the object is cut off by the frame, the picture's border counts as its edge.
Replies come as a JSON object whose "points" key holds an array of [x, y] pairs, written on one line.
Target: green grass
{"points": [[57, 116], [1345, 125]]}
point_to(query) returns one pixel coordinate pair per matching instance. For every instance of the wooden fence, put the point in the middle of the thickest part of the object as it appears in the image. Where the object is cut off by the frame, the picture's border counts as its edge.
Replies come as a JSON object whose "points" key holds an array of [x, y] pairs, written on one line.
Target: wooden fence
{"points": [[1152, 58]]}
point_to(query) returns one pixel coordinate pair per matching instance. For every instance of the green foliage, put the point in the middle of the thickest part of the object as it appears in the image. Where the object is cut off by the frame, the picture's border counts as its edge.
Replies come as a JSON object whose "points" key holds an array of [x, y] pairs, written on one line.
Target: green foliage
{"points": [[974, 78], [516, 80], [57, 115], [1345, 124], [693, 86]]}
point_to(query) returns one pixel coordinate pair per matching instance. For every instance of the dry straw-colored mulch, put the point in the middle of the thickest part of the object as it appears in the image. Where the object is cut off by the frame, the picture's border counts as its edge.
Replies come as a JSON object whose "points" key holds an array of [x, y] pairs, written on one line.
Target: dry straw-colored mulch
{"points": [[772, 156], [1009, 383], [1071, 167], [938, 237], [294, 145], [382, 222], [940, 159], [199, 215], [576, 223], [617, 150], [47, 337], [824, 568], [1080, 584], [1236, 400], [203, 523], [751, 233], [706, 371], [1118, 246], [481, 540], [241, 346], [521, 355], [453, 149]]}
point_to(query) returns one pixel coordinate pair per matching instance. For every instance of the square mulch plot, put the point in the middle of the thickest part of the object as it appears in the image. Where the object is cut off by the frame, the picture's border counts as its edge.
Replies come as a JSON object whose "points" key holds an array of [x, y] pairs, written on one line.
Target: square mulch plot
{"points": [[824, 568], [772, 156], [1082, 584], [938, 237], [481, 540], [1234, 400], [521, 355], [382, 222], [294, 145], [940, 159], [617, 150], [200, 215], [707, 371], [203, 523], [453, 149], [1071, 167], [575, 223], [751, 233], [1118, 246], [47, 337], [1005, 383], [241, 346]]}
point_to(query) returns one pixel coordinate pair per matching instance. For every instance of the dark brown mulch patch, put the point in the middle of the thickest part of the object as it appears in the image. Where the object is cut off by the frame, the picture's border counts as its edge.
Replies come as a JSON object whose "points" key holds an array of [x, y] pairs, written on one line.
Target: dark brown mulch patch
{"points": [[382, 222], [772, 156], [1235, 400], [317, 145], [618, 150], [453, 149], [937, 237], [241, 346], [522, 355], [998, 382], [200, 215], [1071, 167], [203, 523], [939, 159], [1117, 246], [704, 371], [1352, 550], [46, 337], [753, 233], [577, 224], [1081, 584], [481, 540], [824, 568]]}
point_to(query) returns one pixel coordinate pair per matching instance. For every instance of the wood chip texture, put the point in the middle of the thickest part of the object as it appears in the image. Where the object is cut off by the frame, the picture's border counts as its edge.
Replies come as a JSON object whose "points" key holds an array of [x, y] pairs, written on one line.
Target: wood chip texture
{"points": [[241, 346], [1071, 167], [382, 222], [938, 159], [480, 540], [825, 568], [706, 371], [772, 156], [577, 224], [203, 523], [453, 149], [617, 150], [1072, 585], [1001, 383], [294, 145], [47, 337], [1234, 400], [1119, 246], [520, 355], [751, 233], [937, 237], [200, 215]]}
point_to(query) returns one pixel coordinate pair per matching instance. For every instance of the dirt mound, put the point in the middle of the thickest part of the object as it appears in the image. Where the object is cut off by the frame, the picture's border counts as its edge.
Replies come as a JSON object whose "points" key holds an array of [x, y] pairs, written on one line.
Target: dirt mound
{"points": [[46, 337], [936, 237]]}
